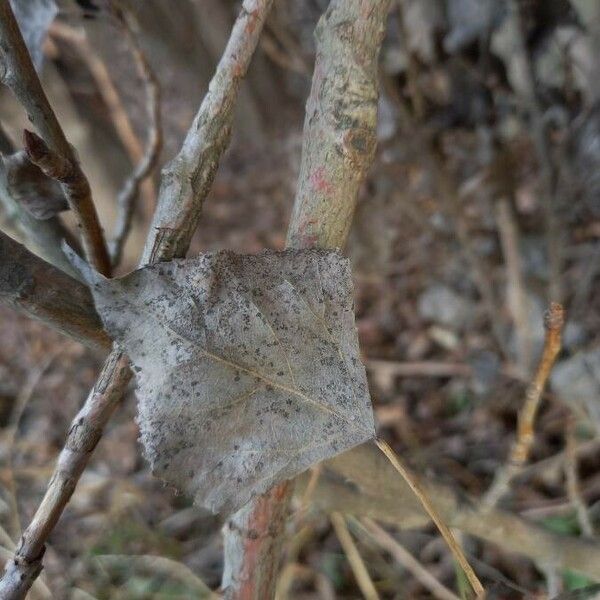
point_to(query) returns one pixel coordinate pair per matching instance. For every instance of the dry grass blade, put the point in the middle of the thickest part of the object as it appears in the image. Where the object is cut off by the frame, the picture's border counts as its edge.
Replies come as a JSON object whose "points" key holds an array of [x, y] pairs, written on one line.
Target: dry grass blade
{"points": [[365, 583], [553, 322], [415, 485], [406, 559]]}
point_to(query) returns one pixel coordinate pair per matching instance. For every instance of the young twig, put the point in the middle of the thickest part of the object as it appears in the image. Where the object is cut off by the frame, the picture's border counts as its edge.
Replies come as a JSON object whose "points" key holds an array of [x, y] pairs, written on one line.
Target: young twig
{"points": [[573, 489], [415, 485], [18, 73], [553, 322], [52, 153], [129, 192], [204, 141], [110, 95], [365, 583], [407, 560], [78, 194], [336, 155]]}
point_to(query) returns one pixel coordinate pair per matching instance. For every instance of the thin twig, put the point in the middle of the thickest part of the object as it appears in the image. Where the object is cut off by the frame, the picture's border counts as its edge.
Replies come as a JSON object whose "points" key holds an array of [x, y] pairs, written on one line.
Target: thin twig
{"points": [[187, 179], [52, 148], [78, 193], [116, 111], [519, 454], [424, 368], [365, 583], [509, 238], [407, 560], [129, 192], [415, 485], [181, 197], [573, 488]]}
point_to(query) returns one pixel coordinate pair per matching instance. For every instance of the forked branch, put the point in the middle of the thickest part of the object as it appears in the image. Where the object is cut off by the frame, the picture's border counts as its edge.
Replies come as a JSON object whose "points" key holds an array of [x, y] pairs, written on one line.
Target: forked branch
{"points": [[198, 159]]}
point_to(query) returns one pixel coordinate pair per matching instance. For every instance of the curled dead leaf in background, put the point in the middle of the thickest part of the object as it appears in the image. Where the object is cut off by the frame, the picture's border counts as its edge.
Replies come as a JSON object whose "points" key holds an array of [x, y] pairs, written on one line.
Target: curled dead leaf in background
{"points": [[39, 195], [248, 367]]}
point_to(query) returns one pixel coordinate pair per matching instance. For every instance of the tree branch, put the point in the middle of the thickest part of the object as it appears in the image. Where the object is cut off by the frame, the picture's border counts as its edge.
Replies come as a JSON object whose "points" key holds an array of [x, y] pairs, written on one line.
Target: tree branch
{"points": [[45, 293], [337, 151], [519, 453], [181, 197], [187, 179]]}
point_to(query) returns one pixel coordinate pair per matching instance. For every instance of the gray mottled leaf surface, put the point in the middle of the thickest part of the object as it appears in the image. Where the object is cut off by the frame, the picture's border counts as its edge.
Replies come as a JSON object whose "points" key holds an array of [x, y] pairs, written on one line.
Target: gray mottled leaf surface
{"points": [[248, 367]]}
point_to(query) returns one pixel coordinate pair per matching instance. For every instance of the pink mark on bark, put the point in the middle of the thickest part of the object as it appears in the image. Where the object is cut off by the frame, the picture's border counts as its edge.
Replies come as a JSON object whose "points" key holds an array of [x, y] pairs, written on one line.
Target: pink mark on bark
{"points": [[320, 183]]}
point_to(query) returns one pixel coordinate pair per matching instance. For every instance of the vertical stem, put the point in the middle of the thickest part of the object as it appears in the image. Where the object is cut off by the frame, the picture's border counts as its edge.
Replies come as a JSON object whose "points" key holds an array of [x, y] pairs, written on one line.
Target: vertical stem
{"points": [[337, 152]]}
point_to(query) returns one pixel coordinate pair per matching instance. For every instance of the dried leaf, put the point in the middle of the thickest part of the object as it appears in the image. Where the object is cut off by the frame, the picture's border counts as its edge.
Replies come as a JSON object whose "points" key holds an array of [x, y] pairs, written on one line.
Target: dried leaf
{"points": [[41, 196], [248, 367]]}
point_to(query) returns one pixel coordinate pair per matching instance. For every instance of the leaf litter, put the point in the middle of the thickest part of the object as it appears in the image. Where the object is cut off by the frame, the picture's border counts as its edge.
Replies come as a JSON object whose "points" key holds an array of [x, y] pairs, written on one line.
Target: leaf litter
{"points": [[248, 367]]}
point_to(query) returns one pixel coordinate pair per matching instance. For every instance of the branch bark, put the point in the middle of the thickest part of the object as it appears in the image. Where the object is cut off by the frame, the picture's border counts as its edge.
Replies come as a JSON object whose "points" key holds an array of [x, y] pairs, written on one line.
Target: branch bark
{"points": [[186, 182], [187, 179], [338, 149], [47, 294]]}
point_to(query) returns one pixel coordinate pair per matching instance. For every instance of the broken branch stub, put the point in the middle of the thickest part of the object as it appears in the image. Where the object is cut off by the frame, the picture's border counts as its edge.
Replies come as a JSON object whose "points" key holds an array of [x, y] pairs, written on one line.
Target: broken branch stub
{"points": [[248, 367]]}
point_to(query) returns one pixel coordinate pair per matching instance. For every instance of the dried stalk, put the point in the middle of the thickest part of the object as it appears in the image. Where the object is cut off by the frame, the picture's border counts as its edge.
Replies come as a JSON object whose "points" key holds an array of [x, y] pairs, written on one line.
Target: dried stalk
{"points": [[130, 190], [553, 322], [407, 560], [365, 583], [338, 149], [181, 197], [419, 491], [46, 294], [54, 150]]}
